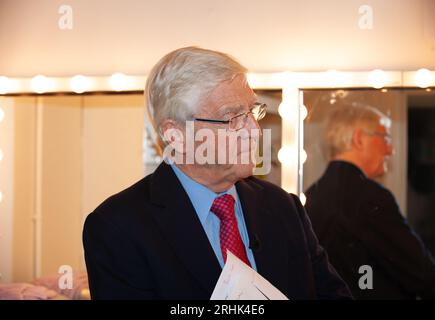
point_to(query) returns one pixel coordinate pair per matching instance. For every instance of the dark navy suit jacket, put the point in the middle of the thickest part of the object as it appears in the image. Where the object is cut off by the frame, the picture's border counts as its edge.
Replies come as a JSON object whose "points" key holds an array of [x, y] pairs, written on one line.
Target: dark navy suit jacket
{"points": [[360, 224], [147, 242]]}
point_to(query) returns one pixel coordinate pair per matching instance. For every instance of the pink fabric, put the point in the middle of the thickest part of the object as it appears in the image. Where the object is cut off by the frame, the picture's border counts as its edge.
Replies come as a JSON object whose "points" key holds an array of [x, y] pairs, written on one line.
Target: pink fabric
{"points": [[25, 291], [45, 288], [80, 282]]}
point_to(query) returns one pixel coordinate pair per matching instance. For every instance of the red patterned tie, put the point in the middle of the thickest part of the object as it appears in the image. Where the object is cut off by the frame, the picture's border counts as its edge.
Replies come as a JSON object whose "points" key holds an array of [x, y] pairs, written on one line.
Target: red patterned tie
{"points": [[223, 208]]}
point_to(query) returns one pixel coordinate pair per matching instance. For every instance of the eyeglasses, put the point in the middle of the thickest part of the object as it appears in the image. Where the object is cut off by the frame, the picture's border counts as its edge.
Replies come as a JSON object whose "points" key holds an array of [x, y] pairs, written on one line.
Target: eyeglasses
{"points": [[258, 110], [387, 137]]}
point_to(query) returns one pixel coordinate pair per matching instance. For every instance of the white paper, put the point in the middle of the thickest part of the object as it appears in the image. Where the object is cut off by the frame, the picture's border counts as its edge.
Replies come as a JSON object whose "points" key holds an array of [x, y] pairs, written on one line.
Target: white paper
{"points": [[238, 281]]}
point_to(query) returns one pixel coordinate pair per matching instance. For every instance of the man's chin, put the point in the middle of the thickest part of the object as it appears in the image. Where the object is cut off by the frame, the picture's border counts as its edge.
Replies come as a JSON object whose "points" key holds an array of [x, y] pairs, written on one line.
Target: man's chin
{"points": [[379, 173], [244, 170]]}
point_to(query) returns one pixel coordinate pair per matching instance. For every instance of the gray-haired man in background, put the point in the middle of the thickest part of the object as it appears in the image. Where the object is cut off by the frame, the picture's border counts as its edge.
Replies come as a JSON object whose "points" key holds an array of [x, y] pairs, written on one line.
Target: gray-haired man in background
{"points": [[358, 221]]}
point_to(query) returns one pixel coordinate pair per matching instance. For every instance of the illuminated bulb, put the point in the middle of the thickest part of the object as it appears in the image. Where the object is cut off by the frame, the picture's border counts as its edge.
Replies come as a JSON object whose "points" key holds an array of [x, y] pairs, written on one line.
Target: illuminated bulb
{"points": [[4, 84], [285, 111], [1, 155], [377, 78], [287, 155], [40, 84], [2, 114], [303, 156], [118, 81], [423, 78], [252, 80], [303, 112], [79, 84], [333, 78], [303, 198]]}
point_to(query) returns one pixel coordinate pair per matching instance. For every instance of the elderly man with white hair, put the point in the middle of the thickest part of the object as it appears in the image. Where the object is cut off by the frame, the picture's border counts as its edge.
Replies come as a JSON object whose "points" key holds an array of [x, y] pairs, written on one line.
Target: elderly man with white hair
{"points": [[357, 220], [167, 236]]}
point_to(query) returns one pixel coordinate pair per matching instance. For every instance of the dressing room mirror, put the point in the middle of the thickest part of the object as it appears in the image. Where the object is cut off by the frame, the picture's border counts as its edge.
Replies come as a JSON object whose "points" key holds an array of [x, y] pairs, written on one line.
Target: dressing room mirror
{"points": [[411, 168]]}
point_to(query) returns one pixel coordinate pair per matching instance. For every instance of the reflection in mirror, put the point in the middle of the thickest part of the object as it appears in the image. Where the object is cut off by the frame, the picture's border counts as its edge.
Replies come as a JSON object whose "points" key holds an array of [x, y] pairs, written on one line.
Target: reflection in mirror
{"points": [[272, 121], [392, 103], [411, 168], [421, 165]]}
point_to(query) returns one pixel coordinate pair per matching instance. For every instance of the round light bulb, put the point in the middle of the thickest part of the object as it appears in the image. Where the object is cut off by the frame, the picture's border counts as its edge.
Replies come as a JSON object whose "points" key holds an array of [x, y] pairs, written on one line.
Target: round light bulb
{"points": [[4, 85], [79, 84], [423, 78], [378, 78], [287, 155], [303, 112], [303, 156], [303, 198], [40, 84], [333, 78], [285, 110], [118, 81]]}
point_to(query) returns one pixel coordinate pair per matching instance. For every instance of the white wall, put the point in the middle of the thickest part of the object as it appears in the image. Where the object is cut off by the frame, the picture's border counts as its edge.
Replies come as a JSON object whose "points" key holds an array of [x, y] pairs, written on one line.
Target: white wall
{"points": [[6, 187], [112, 132], [274, 35]]}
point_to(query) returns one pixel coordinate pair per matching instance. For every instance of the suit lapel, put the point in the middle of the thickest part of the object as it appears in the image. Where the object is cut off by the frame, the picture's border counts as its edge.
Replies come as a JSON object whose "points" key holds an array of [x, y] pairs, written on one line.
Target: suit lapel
{"points": [[266, 234], [181, 226]]}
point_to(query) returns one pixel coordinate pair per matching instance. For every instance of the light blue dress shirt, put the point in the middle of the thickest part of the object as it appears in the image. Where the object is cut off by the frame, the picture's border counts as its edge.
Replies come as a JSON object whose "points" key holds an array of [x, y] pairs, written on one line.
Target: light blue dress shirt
{"points": [[202, 199]]}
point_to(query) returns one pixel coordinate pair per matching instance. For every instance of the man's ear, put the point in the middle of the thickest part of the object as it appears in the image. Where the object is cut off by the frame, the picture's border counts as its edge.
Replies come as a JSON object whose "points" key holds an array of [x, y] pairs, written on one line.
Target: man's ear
{"points": [[172, 134], [357, 139]]}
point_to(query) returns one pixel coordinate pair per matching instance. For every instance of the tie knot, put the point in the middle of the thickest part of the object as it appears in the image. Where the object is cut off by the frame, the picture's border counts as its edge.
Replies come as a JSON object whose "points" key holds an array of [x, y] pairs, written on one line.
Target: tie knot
{"points": [[223, 207]]}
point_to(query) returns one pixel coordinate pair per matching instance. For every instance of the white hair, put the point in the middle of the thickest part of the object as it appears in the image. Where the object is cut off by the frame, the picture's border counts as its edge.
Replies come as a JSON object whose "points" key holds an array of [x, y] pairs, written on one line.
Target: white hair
{"points": [[179, 82], [342, 122]]}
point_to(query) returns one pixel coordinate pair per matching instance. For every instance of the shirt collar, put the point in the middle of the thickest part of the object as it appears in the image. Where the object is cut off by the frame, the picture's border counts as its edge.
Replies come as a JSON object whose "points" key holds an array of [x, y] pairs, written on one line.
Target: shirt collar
{"points": [[201, 197]]}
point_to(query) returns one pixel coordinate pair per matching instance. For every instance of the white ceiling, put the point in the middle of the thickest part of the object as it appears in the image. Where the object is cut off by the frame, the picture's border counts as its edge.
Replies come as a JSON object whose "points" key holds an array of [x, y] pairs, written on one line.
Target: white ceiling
{"points": [[131, 35]]}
